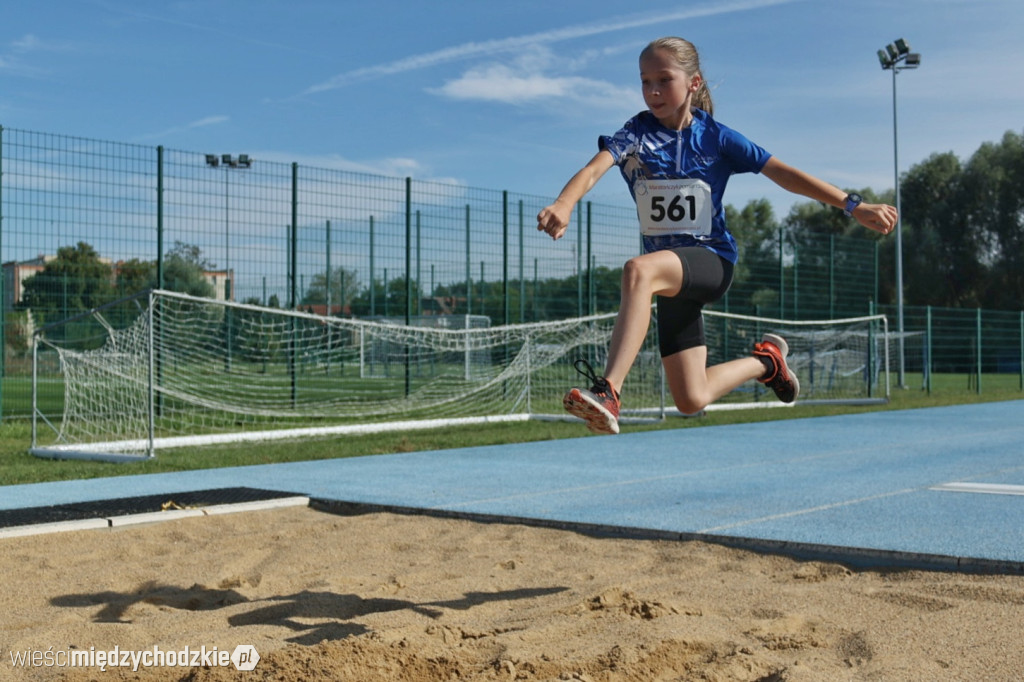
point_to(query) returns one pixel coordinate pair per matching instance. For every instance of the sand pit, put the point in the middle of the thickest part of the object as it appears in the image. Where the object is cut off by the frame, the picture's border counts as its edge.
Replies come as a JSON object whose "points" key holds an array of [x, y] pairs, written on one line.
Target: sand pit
{"points": [[418, 599]]}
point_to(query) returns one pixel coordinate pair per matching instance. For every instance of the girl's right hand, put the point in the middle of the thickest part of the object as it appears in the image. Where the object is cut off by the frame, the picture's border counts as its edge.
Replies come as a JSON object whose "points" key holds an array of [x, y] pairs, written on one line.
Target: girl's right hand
{"points": [[554, 220]]}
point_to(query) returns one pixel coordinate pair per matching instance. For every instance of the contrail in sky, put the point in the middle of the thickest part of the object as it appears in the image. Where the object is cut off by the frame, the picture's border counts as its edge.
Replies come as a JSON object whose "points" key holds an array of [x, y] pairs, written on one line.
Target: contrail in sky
{"points": [[457, 52]]}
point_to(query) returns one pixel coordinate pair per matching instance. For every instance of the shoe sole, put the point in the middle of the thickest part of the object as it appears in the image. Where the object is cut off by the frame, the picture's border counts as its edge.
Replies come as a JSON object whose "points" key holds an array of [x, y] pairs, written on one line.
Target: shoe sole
{"points": [[778, 342], [598, 419], [783, 347]]}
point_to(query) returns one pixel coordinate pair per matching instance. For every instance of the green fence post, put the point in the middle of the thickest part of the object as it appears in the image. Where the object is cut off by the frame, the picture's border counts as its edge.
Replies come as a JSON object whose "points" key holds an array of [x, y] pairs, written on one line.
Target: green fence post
{"points": [[327, 273], [977, 335], [504, 258], [408, 276], [535, 283], [408, 262], [590, 260], [160, 217], [469, 272], [522, 282], [579, 259], [294, 238], [796, 282], [782, 281], [831, 276], [373, 282], [293, 364], [875, 297], [871, 350], [328, 282], [419, 263], [928, 349], [158, 359]]}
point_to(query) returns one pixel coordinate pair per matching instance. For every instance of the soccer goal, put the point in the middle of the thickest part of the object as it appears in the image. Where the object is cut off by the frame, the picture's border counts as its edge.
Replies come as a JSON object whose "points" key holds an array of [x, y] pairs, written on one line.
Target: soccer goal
{"points": [[162, 369]]}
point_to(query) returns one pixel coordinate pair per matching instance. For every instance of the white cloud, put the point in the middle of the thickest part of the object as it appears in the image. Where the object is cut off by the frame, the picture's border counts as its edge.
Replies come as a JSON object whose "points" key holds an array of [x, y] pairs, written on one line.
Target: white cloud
{"points": [[525, 82], [502, 83], [26, 43], [499, 83], [517, 43], [30, 42], [13, 62]]}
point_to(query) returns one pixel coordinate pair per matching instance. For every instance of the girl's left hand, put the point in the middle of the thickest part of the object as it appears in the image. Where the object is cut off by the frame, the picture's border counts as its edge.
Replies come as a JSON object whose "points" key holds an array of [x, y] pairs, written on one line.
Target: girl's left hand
{"points": [[877, 217]]}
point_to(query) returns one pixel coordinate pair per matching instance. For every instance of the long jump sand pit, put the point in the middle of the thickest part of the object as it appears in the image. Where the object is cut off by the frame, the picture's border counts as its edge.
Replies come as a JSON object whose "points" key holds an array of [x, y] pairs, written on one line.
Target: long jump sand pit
{"points": [[420, 599]]}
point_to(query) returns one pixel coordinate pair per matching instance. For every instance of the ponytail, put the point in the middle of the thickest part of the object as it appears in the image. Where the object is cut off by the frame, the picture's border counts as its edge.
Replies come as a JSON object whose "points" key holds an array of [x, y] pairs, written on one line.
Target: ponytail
{"points": [[702, 98]]}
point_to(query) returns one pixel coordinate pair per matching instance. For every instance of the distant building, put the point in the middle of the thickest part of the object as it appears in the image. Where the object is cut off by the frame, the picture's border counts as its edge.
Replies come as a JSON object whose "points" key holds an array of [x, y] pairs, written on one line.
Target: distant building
{"points": [[16, 272], [221, 281]]}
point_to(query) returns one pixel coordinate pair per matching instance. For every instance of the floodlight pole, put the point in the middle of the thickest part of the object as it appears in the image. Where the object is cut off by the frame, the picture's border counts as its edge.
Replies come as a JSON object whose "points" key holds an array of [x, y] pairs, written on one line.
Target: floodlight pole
{"points": [[243, 161], [897, 57]]}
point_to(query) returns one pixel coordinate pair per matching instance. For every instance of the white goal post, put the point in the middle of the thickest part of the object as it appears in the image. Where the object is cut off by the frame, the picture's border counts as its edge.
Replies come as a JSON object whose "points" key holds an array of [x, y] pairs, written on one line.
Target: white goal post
{"points": [[162, 369]]}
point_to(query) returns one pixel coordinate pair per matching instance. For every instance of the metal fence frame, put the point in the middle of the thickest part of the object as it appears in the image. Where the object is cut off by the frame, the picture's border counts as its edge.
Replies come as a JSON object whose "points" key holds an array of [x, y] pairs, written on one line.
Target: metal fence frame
{"points": [[343, 242]]}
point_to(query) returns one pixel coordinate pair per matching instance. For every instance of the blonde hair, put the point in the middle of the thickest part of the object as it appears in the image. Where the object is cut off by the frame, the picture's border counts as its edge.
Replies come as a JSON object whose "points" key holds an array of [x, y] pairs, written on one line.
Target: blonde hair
{"points": [[688, 60]]}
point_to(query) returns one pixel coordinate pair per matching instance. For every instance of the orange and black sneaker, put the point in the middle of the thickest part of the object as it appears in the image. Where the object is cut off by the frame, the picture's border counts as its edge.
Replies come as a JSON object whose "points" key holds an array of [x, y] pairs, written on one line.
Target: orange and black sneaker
{"points": [[598, 407], [772, 351]]}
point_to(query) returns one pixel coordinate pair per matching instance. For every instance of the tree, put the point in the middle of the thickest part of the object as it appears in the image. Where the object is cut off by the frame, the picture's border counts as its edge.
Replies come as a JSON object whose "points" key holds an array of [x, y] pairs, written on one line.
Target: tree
{"points": [[964, 228], [184, 266], [757, 233], [994, 201], [344, 287], [938, 268], [76, 280], [135, 275]]}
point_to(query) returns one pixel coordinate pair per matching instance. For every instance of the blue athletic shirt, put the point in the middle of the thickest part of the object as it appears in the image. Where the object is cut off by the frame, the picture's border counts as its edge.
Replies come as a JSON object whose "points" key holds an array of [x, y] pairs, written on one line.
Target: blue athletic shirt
{"points": [[706, 150]]}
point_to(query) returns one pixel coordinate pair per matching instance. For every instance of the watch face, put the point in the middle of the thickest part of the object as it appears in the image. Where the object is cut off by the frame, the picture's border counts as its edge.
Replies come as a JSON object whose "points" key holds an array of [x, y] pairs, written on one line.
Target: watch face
{"points": [[852, 201]]}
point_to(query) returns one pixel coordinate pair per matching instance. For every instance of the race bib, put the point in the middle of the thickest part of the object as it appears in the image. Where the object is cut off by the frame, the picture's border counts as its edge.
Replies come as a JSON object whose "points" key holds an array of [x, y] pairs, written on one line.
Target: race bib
{"points": [[680, 206]]}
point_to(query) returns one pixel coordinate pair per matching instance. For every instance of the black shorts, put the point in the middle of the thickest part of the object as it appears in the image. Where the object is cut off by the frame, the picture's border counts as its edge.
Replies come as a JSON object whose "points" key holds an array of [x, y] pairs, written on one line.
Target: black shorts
{"points": [[706, 278]]}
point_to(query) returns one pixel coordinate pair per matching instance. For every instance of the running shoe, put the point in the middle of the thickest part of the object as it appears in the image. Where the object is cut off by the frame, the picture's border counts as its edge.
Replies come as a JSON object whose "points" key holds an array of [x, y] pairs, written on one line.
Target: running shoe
{"points": [[780, 379], [598, 407]]}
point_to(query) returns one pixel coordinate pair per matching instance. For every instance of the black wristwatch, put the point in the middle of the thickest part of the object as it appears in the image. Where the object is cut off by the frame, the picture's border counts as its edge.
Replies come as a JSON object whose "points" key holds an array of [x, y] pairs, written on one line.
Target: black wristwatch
{"points": [[852, 201]]}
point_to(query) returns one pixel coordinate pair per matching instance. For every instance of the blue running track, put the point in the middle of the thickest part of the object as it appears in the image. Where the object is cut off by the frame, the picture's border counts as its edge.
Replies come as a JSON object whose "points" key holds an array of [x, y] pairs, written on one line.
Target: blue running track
{"points": [[936, 488]]}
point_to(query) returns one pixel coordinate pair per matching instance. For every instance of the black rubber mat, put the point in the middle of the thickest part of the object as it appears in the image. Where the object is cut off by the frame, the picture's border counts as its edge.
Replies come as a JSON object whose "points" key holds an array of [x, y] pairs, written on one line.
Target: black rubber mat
{"points": [[102, 509]]}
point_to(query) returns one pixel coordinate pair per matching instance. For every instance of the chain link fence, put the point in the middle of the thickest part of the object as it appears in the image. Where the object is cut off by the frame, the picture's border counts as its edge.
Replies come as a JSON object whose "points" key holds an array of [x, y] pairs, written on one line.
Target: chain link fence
{"points": [[84, 222]]}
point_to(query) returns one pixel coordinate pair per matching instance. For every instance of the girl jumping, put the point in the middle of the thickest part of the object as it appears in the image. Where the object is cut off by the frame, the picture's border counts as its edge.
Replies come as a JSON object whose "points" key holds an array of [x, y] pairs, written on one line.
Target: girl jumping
{"points": [[676, 160]]}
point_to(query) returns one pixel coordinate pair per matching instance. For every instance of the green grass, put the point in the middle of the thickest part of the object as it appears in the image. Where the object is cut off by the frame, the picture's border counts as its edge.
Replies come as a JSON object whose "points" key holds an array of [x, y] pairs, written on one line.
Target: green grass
{"points": [[17, 466]]}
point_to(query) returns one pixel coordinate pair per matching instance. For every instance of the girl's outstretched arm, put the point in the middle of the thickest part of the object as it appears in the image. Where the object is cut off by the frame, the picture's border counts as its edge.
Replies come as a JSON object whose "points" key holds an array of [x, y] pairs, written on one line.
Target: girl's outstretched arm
{"points": [[554, 219], [877, 217]]}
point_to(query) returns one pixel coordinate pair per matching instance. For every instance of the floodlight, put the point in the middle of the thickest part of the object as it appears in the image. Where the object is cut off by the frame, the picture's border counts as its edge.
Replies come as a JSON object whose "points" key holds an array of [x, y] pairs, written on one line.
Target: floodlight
{"points": [[228, 160], [244, 160], [912, 60], [893, 53], [211, 160], [902, 46], [883, 58]]}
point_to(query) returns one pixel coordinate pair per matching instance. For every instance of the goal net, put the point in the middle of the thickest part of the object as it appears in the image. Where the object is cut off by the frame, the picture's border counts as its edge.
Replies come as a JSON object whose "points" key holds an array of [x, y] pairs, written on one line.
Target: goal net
{"points": [[163, 369]]}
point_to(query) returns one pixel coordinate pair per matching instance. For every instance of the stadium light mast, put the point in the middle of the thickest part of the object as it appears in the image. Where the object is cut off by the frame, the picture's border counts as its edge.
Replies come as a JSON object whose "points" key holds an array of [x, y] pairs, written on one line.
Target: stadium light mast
{"points": [[896, 57], [228, 161]]}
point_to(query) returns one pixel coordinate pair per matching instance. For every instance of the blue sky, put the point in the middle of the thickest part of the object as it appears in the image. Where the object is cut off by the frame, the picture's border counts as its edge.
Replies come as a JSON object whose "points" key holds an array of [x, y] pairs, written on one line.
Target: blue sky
{"points": [[509, 95]]}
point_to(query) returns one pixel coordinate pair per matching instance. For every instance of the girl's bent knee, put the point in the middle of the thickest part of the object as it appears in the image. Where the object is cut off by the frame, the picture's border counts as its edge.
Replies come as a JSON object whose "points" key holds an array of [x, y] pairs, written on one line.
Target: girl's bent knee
{"points": [[690, 404], [634, 274]]}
